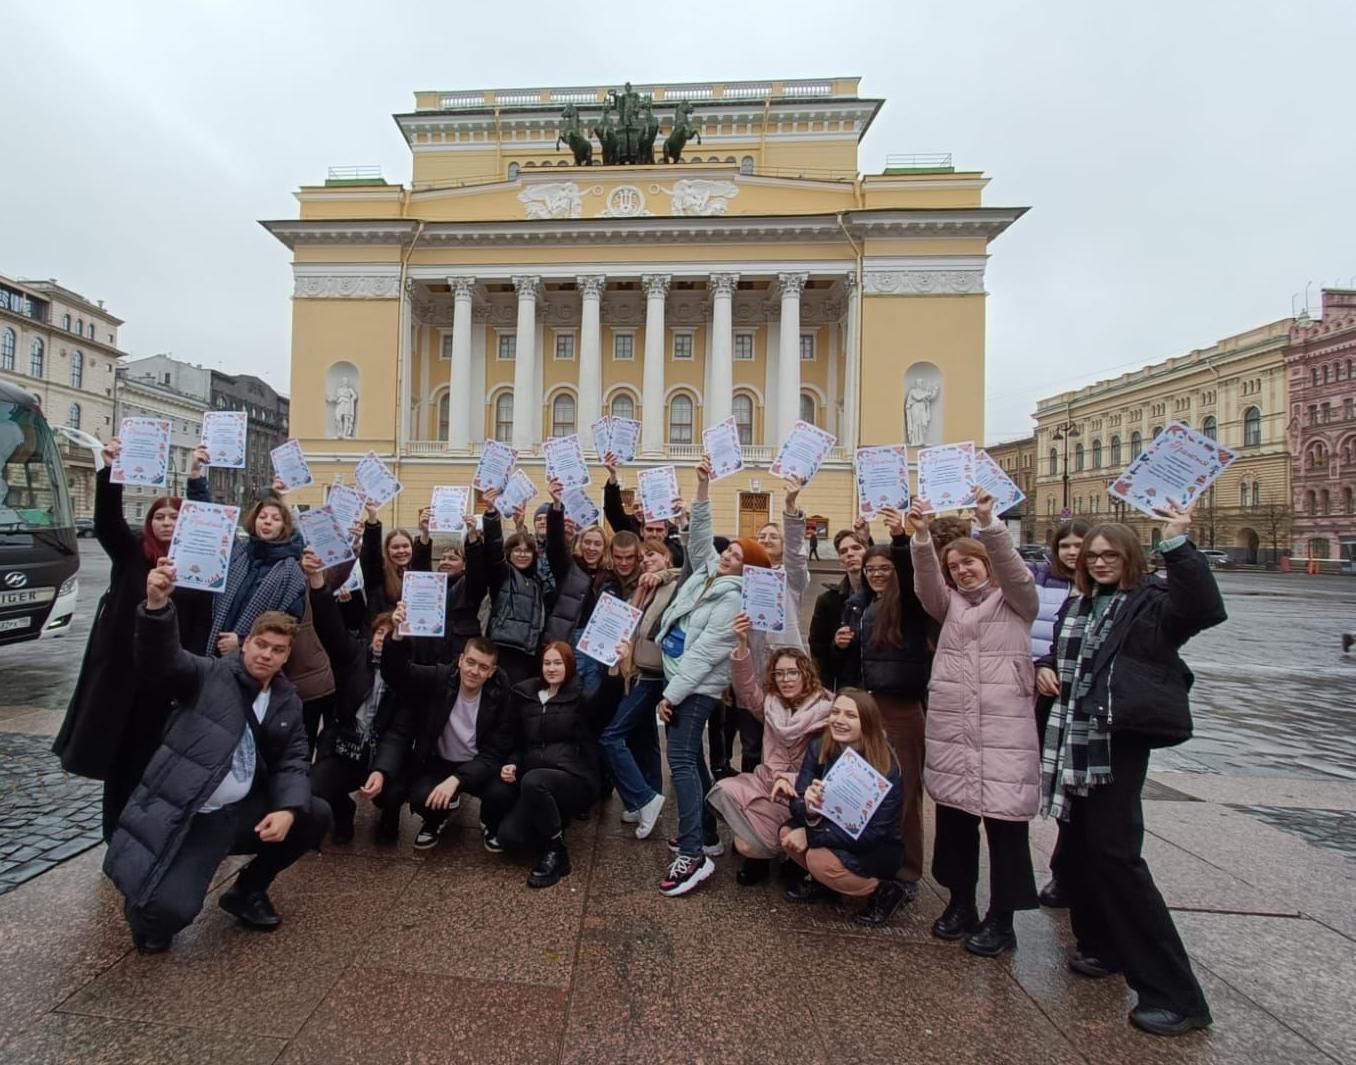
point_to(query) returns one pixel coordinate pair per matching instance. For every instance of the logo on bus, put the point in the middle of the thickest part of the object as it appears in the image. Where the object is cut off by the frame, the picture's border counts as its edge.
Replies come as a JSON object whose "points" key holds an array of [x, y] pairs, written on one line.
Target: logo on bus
{"points": [[16, 579]]}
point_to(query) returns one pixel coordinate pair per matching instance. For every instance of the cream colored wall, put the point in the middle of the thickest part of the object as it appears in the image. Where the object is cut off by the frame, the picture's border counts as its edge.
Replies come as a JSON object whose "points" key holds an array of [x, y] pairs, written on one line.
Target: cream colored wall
{"points": [[362, 332]]}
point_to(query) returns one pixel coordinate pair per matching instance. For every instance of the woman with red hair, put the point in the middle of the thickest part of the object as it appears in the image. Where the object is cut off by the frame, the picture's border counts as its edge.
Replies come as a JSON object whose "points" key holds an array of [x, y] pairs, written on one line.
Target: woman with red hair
{"points": [[113, 724]]}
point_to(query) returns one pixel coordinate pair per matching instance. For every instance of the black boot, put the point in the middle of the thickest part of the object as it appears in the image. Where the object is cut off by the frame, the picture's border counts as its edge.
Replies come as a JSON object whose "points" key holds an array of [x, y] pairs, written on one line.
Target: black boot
{"points": [[807, 889], [1160, 1021], [993, 936], [148, 944], [251, 908], [551, 866], [387, 831], [1054, 896], [959, 919], [881, 906], [752, 871]]}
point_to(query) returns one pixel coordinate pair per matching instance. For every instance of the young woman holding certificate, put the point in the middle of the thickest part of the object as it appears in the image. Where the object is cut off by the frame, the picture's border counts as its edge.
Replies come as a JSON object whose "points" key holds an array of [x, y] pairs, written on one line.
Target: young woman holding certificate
{"points": [[384, 561], [860, 865], [517, 593], [1119, 689], [791, 706], [982, 756]]}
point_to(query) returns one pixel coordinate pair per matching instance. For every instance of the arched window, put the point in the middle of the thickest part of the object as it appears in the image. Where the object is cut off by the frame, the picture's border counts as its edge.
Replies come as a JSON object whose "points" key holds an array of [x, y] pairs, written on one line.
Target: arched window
{"points": [[623, 405], [1325, 374], [1078, 456], [1252, 427], [77, 368], [1116, 451], [807, 408], [1136, 445], [7, 349], [90, 333], [680, 419], [1210, 427], [503, 417], [444, 416], [73, 416], [742, 409], [35, 358], [1243, 494], [1309, 502], [66, 322], [1347, 501], [1325, 500], [1054, 461], [1256, 493], [746, 165], [80, 326], [562, 415], [1096, 454], [1157, 429], [513, 171]]}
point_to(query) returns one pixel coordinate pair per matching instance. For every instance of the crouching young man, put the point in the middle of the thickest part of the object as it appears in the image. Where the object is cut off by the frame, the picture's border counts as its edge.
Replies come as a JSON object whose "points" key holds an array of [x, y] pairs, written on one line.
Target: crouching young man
{"points": [[231, 776]]}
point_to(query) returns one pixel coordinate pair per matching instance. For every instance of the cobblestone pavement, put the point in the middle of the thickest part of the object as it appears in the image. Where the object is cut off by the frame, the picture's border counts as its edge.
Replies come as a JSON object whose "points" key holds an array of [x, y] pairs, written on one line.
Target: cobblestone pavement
{"points": [[46, 815]]}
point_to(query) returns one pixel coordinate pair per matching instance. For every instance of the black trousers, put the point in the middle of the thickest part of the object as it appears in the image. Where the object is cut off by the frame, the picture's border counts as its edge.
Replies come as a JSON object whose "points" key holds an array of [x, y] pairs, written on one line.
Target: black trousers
{"points": [[1115, 908], [750, 740], [211, 837], [547, 800], [476, 779], [334, 779], [955, 859]]}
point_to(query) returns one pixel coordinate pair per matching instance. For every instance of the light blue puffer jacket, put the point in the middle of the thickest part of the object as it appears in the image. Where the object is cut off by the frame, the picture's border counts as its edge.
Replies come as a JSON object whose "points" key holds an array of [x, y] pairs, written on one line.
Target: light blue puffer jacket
{"points": [[1053, 591]]}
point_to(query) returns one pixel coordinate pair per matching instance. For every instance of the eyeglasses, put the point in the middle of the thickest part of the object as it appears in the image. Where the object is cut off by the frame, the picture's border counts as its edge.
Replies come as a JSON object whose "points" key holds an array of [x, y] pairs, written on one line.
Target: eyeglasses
{"points": [[878, 571], [1094, 557], [785, 674]]}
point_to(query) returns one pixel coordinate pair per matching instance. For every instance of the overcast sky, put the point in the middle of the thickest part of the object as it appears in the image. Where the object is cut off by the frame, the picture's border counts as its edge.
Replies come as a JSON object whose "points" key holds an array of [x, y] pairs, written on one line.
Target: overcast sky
{"points": [[1189, 165]]}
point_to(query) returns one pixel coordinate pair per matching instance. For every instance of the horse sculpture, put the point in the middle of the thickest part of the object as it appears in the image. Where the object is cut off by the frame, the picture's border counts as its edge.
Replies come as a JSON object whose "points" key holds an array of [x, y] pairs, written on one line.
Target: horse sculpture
{"points": [[683, 131], [649, 131], [606, 131], [573, 135]]}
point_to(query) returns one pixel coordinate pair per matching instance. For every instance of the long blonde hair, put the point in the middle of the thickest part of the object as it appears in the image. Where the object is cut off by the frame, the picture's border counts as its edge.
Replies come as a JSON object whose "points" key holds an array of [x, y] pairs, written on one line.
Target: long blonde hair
{"points": [[874, 745]]}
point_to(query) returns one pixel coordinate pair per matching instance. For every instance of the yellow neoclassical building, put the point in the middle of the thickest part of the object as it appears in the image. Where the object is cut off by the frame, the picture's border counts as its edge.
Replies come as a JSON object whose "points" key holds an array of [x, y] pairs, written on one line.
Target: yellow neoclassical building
{"points": [[509, 292]]}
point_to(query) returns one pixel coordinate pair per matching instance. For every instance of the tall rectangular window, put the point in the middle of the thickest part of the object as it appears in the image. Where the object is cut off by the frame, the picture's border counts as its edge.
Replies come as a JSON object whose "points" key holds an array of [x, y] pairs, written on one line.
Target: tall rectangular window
{"points": [[807, 347], [564, 347], [446, 353], [743, 347], [682, 346], [623, 347], [508, 347]]}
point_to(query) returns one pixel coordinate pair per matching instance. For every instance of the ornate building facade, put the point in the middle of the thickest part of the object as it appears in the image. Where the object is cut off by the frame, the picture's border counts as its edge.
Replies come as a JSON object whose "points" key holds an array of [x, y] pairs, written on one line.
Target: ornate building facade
{"points": [[1235, 391], [1018, 460], [508, 293], [1322, 427]]}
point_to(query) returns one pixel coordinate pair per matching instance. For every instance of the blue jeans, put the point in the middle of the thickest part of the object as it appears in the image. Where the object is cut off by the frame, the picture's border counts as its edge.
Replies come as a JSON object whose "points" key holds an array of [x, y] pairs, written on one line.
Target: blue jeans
{"points": [[691, 777], [589, 670], [631, 744]]}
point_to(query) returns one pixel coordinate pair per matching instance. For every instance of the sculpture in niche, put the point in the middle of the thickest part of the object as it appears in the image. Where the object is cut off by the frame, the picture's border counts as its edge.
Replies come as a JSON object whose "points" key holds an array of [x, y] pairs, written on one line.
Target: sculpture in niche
{"points": [[918, 403], [560, 199], [345, 400]]}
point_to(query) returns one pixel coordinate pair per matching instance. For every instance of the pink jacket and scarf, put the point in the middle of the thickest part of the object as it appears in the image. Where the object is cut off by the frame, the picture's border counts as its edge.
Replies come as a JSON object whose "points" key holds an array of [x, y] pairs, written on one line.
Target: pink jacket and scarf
{"points": [[983, 755]]}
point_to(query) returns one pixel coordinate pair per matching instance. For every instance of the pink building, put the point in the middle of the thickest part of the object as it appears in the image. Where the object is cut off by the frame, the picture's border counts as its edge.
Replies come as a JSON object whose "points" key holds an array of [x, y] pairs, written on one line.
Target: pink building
{"points": [[1321, 359]]}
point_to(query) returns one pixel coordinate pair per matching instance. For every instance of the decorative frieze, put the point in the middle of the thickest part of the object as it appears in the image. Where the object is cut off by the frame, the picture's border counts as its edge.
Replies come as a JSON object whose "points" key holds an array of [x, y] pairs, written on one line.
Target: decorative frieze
{"points": [[903, 282], [347, 287]]}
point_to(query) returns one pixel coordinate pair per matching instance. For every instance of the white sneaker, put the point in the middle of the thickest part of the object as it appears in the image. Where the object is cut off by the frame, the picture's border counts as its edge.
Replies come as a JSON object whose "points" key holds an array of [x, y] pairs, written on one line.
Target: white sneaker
{"points": [[630, 817], [648, 816]]}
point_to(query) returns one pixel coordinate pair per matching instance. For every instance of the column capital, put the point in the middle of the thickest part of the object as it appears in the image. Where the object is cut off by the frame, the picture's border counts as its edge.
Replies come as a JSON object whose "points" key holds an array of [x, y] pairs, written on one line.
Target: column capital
{"points": [[850, 282], [527, 287], [591, 285], [791, 284], [656, 284], [722, 284], [463, 287]]}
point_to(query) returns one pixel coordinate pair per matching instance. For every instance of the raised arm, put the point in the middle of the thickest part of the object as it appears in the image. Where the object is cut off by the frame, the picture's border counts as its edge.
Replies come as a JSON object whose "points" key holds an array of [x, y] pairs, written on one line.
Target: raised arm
{"points": [[160, 660], [414, 682], [1014, 579], [928, 583], [795, 555], [496, 566], [369, 557], [1194, 603], [557, 547], [110, 526], [748, 694], [615, 510]]}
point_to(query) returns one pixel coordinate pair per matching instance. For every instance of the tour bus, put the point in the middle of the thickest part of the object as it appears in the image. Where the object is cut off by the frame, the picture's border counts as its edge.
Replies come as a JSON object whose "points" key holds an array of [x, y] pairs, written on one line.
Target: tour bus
{"points": [[38, 552]]}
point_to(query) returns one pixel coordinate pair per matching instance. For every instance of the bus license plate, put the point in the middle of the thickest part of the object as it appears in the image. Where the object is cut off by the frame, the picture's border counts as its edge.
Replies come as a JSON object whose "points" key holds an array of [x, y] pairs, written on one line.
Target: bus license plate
{"points": [[27, 596], [10, 624]]}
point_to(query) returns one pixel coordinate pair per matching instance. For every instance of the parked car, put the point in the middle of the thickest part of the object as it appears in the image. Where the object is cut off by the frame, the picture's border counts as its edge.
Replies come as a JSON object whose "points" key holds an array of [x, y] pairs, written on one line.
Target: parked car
{"points": [[1032, 552], [1217, 559], [84, 526]]}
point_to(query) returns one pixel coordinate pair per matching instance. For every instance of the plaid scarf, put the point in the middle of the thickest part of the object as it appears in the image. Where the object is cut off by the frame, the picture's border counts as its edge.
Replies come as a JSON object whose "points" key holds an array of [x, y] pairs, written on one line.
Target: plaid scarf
{"points": [[284, 583], [1076, 755]]}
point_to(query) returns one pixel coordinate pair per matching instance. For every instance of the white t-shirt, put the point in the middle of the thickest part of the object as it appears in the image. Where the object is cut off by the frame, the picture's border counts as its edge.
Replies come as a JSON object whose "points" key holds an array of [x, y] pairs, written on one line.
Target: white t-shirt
{"points": [[458, 740], [240, 779]]}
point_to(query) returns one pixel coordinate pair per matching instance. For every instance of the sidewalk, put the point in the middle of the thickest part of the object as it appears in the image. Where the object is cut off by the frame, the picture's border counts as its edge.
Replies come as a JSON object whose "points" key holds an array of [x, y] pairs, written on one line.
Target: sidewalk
{"points": [[388, 956]]}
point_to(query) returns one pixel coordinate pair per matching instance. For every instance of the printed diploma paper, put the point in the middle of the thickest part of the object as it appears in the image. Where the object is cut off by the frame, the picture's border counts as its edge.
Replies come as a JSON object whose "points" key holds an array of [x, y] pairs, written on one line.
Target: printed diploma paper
{"points": [[852, 791], [803, 452], [517, 493], [495, 466], [721, 443], [579, 508], [1179, 464], [290, 465], [946, 476], [659, 499], [201, 546], [612, 624], [764, 598], [425, 599], [991, 477], [565, 460], [346, 503], [447, 511], [144, 458], [882, 479], [223, 434], [332, 542], [375, 480]]}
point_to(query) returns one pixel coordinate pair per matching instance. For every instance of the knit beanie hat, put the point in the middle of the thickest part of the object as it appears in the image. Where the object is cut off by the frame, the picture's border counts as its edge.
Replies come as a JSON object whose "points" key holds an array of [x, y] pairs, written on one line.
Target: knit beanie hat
{"points": [[542, 511], [755, 554]]}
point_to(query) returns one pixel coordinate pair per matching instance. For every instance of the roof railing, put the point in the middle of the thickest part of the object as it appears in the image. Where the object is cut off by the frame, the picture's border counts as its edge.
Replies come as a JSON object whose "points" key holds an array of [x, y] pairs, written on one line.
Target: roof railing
{"points": [[918, 161]]}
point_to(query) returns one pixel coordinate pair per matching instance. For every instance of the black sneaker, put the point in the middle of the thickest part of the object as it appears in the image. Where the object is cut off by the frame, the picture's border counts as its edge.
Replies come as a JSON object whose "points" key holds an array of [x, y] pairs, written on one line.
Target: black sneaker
{"points": [[429, 833], [149, 944], [685, 874], [807, 889], [490, 842], [881, 906], [250, 908]]}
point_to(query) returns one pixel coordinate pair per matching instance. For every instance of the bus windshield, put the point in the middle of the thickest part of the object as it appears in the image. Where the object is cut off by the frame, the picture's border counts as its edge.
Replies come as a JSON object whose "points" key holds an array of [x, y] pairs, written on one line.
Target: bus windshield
{"points": [[33, 494]]}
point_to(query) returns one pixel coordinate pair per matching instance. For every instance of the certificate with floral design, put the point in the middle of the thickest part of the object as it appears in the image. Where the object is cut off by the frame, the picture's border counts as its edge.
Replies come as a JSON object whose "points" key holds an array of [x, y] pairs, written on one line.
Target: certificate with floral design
{"points": [[1179, 464], [331, 541], [946, 476], [375, 479], [223, 434], [144, 458], [611, 623], [425, 599], [200, 548], [764, 599], [852, 791], [882, 479]]}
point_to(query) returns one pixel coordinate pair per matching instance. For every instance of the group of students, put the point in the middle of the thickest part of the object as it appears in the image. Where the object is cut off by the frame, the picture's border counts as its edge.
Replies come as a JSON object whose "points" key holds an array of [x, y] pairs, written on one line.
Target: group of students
{"points": [[248, 722]]}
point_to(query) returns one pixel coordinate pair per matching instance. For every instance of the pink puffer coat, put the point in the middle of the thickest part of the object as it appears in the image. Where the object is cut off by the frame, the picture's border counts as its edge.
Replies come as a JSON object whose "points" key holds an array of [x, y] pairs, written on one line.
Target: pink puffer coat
{"points": [[983, 756]]}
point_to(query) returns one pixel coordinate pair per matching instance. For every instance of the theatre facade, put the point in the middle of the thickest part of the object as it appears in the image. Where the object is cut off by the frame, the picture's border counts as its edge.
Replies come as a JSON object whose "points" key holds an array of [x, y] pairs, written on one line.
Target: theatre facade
{"points": [[516, 289]]}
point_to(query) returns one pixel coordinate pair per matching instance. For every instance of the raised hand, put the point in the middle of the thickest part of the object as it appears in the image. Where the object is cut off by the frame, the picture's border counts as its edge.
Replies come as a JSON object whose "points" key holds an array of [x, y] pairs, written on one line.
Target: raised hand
{"points": [[1177, 517], [983, 507], [743, 625], [793, 486], [313, 567], [610, 464], [112, 450], [159, 584], [398, 620], [894, 520], [201, 457], [920, 515]]}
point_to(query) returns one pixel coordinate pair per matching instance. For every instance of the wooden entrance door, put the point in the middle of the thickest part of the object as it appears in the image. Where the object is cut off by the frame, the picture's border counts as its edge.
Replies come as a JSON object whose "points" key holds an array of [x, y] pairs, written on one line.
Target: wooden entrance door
{"points": [[753, 512]]}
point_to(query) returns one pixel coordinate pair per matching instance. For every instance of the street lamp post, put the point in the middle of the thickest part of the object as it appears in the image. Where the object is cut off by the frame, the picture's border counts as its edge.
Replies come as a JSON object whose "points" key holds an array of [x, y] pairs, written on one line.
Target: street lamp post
{"points": [[1065, 432]]}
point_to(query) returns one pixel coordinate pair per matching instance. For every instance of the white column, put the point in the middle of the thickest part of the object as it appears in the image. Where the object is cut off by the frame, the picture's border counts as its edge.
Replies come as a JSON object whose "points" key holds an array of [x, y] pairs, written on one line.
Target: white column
{"points": [[462, 401], [850, 437], [591, 351], [539, 429], [788, 367], [832, 419], [721, 389], [652, 389], [479, 398], [525, 362], [771, 362], [421, 345]]}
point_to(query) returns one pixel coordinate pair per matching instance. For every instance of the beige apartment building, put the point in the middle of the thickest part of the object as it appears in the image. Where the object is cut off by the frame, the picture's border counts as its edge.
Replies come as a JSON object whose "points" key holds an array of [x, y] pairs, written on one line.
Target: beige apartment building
{"points": [[1235, 391], [63, 348]]}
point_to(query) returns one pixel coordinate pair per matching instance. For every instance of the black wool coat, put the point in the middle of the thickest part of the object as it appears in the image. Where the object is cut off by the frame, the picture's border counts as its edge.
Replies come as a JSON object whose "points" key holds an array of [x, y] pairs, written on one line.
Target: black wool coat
{"points": [[557, 735]]}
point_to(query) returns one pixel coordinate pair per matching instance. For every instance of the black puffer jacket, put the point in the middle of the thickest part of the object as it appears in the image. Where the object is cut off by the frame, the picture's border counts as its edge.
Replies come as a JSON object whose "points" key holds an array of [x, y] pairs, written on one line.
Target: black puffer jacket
{"points": [[216, 698], [879, 667], [824, 624], [354, 667], [576, 586], [518, 616], [556, 735]]}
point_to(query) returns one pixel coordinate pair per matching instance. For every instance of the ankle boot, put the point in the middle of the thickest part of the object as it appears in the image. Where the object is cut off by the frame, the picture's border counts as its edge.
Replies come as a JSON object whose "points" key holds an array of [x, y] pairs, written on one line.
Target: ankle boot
{"points": [[551, 866], [993, 936], [881, 906], [752, 871], [959, 919]]}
